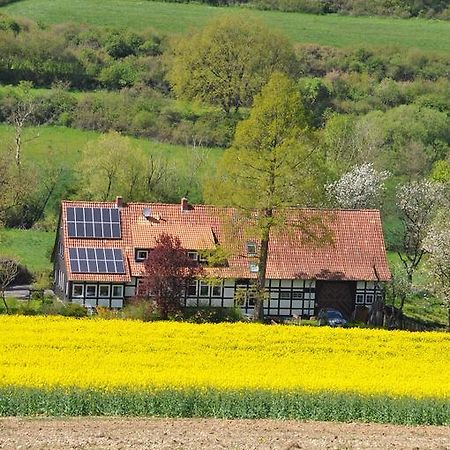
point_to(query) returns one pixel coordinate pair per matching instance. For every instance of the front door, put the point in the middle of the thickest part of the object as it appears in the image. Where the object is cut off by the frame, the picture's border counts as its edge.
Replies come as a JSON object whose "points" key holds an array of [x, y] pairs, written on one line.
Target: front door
{"points": [[337, 295]]}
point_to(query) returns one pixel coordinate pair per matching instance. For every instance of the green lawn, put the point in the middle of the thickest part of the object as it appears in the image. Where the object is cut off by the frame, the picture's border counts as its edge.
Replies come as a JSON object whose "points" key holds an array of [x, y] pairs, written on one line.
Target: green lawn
{"points": [[333, 30], [30, 247]]}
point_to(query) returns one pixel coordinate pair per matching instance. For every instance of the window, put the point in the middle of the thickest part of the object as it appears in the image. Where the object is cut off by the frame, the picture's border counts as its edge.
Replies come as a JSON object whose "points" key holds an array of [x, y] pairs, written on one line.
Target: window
{"points": [[103, 290], [192, 289], [77, 290], [91, 290], [369, 298], [285, 295], [251, 298], [117, 291], [216, 290], [193, 255], [253, 267], [202, 258], [359, 299], [379, 298], [251, 248], [297, 295], [141, 255], [204, 289]]}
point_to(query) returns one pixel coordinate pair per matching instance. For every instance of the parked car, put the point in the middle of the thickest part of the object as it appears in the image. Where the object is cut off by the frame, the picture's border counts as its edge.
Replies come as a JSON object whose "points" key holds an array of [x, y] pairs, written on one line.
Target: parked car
{"points": [[331, 317]]}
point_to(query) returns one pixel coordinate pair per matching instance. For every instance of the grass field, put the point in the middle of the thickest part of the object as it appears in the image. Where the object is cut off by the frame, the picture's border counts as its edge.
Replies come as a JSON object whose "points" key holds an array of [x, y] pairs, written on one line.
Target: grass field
{"points": [[30, 247], [337, 31], [65, 144], [224, 370]]}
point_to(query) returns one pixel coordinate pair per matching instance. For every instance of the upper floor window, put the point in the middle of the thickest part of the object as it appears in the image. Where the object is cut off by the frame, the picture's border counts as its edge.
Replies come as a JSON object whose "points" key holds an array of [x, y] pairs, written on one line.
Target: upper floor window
{"points": [[141, 255], [254, 268], [193, 255], [251, 248]]}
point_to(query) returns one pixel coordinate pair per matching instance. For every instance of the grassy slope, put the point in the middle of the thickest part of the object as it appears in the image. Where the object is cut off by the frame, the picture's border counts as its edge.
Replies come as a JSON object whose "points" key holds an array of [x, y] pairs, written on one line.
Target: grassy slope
{"points": [[338, 31], [30, 247], [67, 143]]}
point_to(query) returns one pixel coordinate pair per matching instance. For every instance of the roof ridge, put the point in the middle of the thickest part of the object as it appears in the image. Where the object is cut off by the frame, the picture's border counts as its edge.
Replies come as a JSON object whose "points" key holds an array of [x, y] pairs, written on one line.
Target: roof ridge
{"points": [[202, 205]]}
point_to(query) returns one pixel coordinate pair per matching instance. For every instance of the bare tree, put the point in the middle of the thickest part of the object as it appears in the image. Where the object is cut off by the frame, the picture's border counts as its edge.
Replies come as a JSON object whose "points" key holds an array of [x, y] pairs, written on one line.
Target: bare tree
{"points": [[20, 116], [8, 272]]}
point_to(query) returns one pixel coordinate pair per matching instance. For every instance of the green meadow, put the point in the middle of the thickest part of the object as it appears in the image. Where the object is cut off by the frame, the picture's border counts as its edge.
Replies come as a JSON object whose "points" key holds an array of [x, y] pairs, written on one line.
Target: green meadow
{"points": [[332, 30], [32, 248], [65, 144]]}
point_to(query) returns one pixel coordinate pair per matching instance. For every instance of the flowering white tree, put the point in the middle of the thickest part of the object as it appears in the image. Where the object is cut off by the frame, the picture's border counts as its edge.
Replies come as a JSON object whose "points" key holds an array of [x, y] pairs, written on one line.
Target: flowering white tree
{"points": [[437, 244], [361, 187], [417, 202]]}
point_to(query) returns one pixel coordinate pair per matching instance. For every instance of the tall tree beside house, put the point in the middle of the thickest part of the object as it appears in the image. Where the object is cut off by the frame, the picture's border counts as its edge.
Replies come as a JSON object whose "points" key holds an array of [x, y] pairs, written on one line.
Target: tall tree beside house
{"points": [[228, 61], [168, 271], [270, 166]]}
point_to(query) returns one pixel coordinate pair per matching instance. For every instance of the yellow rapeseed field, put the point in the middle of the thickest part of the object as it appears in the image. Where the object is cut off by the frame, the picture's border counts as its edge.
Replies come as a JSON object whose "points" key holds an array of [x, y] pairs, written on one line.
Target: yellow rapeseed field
{"points": [[53, 351]]}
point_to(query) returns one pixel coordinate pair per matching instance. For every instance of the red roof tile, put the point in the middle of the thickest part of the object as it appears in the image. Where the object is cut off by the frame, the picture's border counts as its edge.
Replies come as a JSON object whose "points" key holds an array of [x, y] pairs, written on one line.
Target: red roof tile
{"points": [[355, 252]]}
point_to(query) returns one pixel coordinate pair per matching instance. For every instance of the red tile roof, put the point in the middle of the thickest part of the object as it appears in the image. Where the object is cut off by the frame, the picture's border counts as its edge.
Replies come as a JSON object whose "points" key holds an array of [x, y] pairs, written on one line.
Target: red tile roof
{"points": [[355, 251]]}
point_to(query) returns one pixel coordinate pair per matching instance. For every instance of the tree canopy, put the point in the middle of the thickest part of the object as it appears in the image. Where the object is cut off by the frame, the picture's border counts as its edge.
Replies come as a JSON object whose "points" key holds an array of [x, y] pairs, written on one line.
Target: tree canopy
{"points": [[271, 165], [227, 62]]}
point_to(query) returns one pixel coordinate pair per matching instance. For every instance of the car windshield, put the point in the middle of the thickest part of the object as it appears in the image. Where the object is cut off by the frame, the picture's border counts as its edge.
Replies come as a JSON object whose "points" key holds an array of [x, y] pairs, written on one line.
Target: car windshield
{"points": [[334, 315]]}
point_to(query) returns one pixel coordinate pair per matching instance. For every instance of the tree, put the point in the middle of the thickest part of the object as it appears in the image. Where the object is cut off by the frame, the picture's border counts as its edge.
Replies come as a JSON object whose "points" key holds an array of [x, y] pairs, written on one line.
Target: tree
{"points": [[228, 61], [417, 202], [437, 244], [21, 116], [361, 187], [269, 167], [168, 271], [8, 272]]}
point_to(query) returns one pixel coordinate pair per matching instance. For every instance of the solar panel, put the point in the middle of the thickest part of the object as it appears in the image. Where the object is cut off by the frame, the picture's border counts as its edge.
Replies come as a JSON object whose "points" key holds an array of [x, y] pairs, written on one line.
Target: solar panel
{"points": [[99, 223], [96, 260]]}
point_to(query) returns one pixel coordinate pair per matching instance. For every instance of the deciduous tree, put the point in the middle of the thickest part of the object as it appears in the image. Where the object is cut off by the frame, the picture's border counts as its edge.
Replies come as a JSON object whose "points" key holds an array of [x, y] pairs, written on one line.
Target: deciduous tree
{"points": [[8, 272], [361, 187], [270, 166], [168, 271], [228, 61], [437, 244], [417, 202]]}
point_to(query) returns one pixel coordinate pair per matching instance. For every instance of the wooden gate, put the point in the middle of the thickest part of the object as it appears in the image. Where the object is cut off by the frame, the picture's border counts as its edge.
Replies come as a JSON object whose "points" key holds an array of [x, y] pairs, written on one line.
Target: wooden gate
{"points": [[337, 295]]}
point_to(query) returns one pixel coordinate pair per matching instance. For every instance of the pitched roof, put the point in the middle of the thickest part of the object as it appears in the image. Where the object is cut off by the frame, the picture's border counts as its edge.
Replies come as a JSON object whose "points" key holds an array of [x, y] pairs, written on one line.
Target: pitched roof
{"points": [[355, 251]]}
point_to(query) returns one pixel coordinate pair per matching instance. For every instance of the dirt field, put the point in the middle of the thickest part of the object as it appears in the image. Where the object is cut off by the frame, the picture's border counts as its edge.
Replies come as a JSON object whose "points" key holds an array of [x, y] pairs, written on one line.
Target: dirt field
{"points": [[165, 434]]}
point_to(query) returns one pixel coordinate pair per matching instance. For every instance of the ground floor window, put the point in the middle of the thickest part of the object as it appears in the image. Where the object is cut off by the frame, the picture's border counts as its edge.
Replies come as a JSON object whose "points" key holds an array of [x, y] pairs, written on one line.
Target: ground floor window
{"points": [[103, 290], [117, 291], [77, 290], [91, 290]]}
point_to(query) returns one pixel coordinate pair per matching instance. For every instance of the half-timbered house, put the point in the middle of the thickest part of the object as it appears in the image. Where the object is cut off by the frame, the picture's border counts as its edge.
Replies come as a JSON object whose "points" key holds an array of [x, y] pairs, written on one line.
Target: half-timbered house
{"points": [[100, 251]]}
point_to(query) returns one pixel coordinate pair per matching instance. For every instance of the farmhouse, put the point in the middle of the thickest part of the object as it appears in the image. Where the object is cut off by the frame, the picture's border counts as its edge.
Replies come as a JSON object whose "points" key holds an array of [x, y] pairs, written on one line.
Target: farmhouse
{"points": [[100, 251]]}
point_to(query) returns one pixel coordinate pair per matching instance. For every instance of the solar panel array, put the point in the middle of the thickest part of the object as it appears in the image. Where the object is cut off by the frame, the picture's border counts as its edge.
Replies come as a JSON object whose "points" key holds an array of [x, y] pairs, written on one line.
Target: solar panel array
{"points": [[96, 260], [99, 223]]}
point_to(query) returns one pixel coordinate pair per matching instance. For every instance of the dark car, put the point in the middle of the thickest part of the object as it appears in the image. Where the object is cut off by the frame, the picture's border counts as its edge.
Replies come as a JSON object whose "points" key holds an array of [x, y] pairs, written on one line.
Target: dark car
{"points": [[331, 317]]}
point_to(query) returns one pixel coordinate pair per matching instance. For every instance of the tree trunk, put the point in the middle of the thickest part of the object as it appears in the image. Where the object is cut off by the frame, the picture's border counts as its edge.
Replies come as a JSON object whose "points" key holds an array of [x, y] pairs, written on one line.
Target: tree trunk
{"points": [[7, 309], [262, 267]]}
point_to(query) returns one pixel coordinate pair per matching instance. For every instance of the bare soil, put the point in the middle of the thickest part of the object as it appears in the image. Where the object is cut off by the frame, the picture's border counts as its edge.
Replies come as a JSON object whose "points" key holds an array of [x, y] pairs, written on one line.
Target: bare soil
{"points": [[169, 434]]}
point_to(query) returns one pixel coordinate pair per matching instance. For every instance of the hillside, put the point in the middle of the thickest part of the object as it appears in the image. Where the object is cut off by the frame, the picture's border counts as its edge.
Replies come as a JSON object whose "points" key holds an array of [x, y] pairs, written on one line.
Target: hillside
{"points": [[331, 30]]}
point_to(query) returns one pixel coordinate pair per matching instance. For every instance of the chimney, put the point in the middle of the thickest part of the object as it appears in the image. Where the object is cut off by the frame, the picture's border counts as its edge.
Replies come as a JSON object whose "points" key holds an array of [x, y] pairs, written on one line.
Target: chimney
{"points": [[119, 202], [185, 207]]}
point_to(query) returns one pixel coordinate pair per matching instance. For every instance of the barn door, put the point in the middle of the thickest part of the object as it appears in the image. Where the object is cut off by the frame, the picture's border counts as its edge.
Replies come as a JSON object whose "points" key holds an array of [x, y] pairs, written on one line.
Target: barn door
{"points": [[337, 295]]}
